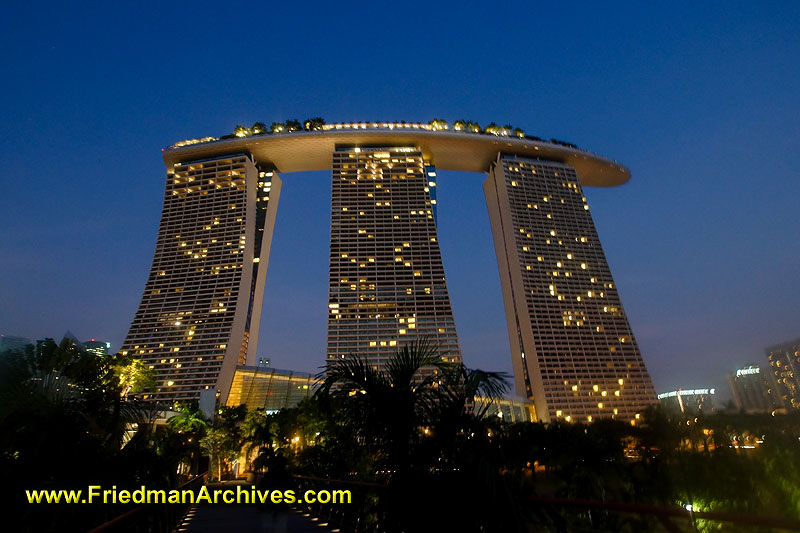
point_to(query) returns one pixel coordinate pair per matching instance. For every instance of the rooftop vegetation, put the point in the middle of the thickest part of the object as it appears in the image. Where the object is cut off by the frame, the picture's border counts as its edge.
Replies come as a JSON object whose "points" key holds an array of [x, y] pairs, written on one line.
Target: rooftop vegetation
{"points": [[318, 124]]}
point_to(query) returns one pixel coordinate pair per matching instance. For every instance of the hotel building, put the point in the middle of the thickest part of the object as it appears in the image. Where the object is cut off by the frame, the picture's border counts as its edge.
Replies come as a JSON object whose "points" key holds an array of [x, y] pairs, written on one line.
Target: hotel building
{"points": [[573, 351], [753, 391], [387, 283], [201, 309], [784, 365]]}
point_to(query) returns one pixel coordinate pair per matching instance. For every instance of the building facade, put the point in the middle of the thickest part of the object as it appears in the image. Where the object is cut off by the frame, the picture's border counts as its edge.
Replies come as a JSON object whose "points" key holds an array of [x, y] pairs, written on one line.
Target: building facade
{"points": [[573, 350], [270, 389], [201, 307], [97, 347], [574, 354], [688, 401], [752, 390], [784, 364], [387, 282]]}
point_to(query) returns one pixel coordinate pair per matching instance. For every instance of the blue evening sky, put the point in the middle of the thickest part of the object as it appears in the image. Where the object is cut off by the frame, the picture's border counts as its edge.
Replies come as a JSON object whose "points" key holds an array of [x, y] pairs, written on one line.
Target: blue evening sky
{"points": [[701, 102]]}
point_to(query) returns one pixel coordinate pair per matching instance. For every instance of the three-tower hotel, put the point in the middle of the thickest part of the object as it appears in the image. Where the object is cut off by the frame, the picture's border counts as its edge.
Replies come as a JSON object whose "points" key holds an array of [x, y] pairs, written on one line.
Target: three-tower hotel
{"points": [[574, 354]]}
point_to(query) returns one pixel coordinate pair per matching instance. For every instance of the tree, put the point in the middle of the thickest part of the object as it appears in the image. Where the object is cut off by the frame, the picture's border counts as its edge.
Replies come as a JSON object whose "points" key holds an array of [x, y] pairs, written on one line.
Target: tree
{"points": [[63, 422], [241, 131], [492, 128], [189, 427], [438, 124], [134, 375], [314, 124], [473, 127], [459, 125], [256, 435], [221, 448], [258, 128], [277, 127], [386, 408], [189, 420], [293, 125]]}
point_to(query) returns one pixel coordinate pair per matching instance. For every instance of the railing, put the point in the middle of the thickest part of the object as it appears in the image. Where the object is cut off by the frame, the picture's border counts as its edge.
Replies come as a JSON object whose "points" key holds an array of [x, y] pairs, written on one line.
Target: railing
{"points": [[152, 518]]}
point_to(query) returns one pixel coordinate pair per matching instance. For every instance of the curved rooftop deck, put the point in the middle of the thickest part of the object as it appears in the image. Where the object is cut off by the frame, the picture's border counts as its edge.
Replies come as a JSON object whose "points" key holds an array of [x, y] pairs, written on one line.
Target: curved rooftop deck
{"points": [[448, 150]]}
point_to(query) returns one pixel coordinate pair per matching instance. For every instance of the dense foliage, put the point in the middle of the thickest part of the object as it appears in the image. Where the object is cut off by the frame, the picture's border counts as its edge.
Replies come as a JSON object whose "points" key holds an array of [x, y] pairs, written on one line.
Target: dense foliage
{"points": [[65, 423], [409, 442]]}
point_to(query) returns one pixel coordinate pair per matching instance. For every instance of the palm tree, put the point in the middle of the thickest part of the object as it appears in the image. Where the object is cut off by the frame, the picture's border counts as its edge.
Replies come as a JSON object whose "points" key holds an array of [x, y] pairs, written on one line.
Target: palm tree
{"points": [[189, 420], [385, 408], [313, 124], [460, 385], [256, 434], [473, 127], [293, 125]]}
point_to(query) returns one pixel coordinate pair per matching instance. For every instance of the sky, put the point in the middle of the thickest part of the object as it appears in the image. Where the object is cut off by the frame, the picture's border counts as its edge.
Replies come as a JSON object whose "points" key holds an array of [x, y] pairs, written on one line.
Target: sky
{"points": [[700, 102]]}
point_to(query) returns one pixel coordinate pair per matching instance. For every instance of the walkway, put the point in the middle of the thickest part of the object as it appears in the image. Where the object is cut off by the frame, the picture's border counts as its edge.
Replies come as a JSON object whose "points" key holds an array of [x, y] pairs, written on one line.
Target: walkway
{"points": [[206, 518]]}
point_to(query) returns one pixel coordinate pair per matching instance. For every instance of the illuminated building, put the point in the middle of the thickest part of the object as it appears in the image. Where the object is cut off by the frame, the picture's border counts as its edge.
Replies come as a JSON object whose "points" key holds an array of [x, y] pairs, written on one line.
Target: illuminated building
{"points": [[270, 389], [508, 410], [753, 391], [784, 363], [688, 401], [199, 315], [201, 308], [387, 283], [573, 350], [97, 347]]}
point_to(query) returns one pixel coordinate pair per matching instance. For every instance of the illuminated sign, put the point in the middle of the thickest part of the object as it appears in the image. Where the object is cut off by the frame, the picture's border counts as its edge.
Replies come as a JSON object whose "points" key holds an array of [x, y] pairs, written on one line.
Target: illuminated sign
{"points": [[747, 371], [688, 392]]}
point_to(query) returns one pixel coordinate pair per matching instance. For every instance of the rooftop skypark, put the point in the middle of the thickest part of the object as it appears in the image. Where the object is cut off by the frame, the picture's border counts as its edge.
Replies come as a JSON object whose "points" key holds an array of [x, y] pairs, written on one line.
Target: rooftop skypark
{"points": [[318, 124]]}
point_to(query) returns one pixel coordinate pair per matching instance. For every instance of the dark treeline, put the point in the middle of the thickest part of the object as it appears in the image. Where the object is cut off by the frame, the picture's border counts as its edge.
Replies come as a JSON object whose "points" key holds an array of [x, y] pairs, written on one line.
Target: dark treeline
{"points": [[426, 455], [66, 424]]}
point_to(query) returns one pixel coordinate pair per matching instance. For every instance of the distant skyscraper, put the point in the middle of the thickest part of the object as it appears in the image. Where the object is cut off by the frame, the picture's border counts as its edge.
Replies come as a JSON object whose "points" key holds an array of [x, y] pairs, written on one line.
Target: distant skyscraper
{"points": [[753, 391], [688, 401], [573, 350], [201, 308], [387, 283], [97, 347], [784, 363]]}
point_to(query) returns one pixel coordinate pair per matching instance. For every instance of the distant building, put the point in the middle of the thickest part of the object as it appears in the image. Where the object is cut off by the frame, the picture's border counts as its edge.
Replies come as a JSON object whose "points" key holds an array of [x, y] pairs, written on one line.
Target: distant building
{"points": [[752, 390], [507, 409], [270, 389], [11, 343], [688, 401], [69, 336], [784, 364], [261, 387], [97, 347]]}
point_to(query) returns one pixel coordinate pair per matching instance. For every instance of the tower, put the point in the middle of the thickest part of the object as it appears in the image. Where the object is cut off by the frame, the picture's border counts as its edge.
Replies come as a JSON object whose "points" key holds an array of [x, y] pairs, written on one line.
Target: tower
{"points": [[387, 283], [573, 350], [201, 307]]}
